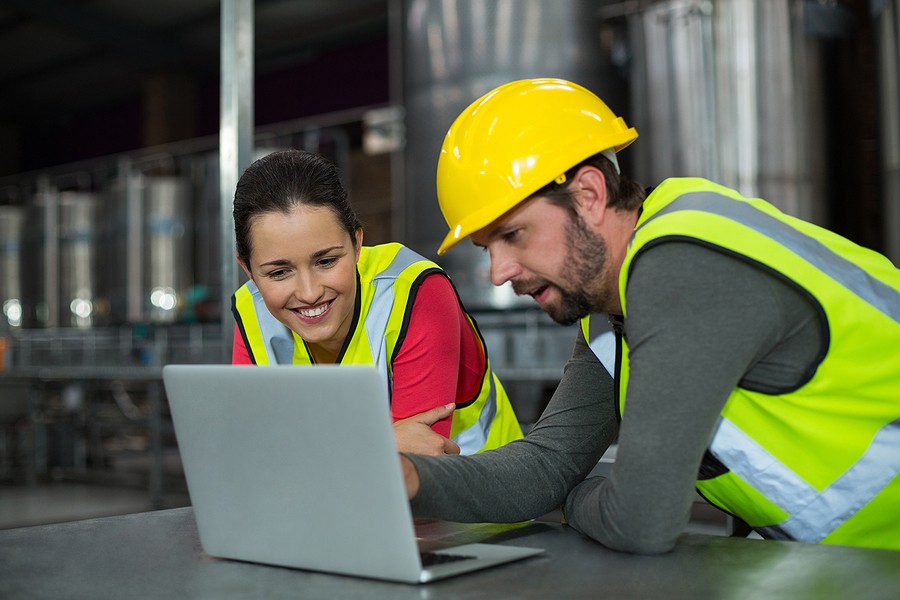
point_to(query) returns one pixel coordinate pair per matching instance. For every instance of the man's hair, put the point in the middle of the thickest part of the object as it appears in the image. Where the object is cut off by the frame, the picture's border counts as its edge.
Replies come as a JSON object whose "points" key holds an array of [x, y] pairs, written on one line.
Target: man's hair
{"points": [[623, 193]]}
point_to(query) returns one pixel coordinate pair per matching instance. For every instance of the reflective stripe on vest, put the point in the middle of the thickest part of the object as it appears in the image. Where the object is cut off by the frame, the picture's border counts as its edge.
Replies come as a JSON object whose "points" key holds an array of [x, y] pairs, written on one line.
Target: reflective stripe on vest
{"points": [[814, 514], [376, 319], [875, 292], [476, 435]]}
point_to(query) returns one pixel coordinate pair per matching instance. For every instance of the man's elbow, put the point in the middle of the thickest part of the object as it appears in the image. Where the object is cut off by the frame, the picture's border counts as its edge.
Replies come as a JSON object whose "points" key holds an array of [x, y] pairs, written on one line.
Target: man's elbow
{"points": [[625, 539], [642, 545]]}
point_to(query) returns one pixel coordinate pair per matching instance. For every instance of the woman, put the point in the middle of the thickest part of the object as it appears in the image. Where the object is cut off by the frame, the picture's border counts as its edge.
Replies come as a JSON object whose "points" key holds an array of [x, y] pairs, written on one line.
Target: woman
{"points": [[316, 295]]}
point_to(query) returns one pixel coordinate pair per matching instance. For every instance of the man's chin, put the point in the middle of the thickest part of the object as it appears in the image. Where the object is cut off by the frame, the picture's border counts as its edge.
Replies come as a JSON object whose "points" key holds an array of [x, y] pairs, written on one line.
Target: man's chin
{"points": [[562, 316]]}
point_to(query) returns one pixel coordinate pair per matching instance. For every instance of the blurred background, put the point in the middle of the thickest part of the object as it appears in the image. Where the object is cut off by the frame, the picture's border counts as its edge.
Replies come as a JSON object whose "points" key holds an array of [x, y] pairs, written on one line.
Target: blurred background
{"points": [[124, 125]]}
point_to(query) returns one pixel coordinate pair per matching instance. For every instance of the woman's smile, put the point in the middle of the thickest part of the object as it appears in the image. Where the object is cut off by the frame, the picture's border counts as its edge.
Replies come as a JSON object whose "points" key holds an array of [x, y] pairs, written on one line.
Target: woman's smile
{"points": [[313, 314]]}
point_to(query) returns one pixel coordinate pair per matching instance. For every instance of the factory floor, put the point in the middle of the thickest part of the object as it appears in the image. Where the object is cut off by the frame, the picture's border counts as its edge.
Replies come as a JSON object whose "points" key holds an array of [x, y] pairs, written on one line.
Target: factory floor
{"points": [[68, 465], [75, 492]]}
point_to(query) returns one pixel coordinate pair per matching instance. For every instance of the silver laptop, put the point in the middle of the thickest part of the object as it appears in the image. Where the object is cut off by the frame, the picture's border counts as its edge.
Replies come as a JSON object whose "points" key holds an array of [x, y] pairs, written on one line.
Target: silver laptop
{"points": [[298, 467]]}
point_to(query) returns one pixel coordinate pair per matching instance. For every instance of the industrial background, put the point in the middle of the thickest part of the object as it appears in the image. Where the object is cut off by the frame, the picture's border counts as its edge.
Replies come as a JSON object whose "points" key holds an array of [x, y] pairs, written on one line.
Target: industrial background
{"points": [[114, 254]]}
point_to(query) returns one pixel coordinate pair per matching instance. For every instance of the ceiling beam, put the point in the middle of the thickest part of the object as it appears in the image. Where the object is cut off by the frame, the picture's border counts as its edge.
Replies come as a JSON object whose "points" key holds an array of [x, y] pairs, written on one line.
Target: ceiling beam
{"points": [[141, 46]]}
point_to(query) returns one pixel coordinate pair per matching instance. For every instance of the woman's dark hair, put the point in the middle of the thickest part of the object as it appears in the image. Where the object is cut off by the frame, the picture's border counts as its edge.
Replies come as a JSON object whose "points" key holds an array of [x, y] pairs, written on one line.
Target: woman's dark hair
{"points": [[622, 192], [282, 180]]}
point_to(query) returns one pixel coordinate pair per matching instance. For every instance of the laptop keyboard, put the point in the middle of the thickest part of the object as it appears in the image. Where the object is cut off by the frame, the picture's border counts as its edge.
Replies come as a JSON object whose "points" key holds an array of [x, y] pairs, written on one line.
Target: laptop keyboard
{"points": [[431, 559]]}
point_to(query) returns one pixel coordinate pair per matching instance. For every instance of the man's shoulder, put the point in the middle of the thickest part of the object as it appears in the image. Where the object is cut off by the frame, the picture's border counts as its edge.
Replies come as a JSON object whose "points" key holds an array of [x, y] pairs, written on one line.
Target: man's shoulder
{"points": [[694, 259]]}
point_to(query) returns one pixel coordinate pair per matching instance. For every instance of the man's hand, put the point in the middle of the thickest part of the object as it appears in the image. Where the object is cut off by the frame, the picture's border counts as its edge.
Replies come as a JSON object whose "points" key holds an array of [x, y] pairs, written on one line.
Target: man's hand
{"points": [[415, 435]]}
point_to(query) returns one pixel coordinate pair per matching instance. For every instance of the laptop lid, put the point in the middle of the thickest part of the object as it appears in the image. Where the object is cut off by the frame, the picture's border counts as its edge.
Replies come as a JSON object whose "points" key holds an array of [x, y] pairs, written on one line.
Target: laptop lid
{"points": [[298, 467]]}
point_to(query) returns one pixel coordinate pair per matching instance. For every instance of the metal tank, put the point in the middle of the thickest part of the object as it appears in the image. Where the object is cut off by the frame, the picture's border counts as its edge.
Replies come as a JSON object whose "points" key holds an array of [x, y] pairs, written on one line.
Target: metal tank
{"points": [[150, 233], [82, 299], [11, 223], [731, 90], [61, 283], [168, 246], [454, 52]]}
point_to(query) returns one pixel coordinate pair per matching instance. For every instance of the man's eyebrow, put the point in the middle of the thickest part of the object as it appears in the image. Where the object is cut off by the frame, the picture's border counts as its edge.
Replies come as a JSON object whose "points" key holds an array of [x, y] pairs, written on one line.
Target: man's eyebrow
{"points": [[491, 233], [501, 230]]}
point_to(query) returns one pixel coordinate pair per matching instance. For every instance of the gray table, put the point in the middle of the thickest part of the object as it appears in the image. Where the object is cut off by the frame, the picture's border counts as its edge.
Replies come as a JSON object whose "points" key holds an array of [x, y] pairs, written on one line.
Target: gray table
{"points": [[158, 555]]}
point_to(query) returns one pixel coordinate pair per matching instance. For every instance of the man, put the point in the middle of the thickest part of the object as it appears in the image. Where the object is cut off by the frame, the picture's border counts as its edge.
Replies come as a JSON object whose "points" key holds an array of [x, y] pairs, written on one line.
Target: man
{"points": [[758, 359]]}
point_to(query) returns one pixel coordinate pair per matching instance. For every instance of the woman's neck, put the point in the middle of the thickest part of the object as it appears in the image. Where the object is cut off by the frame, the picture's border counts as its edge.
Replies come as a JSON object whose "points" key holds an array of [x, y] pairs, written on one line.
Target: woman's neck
{"points": [[322, 355]]}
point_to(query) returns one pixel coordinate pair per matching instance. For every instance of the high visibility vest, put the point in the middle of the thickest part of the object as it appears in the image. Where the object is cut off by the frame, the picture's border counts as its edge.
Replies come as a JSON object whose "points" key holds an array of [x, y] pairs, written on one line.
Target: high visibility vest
{"points": [[387, 278], [818, 463]]}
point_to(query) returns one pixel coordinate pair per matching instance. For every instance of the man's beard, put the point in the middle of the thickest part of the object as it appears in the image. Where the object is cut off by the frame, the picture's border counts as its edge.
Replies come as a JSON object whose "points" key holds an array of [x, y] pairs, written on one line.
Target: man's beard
{"points": [[584, 269]]}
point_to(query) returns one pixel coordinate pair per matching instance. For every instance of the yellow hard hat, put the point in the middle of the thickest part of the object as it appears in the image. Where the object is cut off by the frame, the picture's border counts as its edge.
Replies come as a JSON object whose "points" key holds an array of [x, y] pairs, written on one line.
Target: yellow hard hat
{"points": [[513, 141]]}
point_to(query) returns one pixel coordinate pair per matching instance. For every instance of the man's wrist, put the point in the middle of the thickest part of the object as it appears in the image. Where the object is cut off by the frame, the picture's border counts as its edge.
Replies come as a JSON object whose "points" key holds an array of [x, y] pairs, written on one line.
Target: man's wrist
{"points": [[410, 476]]}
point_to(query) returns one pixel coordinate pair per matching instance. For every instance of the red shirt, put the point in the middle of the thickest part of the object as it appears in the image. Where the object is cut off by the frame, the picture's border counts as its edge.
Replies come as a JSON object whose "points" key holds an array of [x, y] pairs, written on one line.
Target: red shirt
{"points": [[440, 361]]}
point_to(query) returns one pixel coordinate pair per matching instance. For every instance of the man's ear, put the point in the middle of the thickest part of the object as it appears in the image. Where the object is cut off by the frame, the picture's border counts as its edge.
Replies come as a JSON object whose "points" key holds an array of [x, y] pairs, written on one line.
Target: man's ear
{"points": [[589, 186], [245, 268]]}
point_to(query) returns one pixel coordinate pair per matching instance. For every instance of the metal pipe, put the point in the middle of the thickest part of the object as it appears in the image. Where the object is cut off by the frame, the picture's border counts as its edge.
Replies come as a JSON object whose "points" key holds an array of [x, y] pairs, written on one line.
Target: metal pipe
{"points": [[235, 137]]}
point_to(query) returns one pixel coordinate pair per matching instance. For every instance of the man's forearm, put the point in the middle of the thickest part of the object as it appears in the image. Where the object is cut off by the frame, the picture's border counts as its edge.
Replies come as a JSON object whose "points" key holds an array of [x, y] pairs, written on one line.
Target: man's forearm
{"points": [[528, 477]]}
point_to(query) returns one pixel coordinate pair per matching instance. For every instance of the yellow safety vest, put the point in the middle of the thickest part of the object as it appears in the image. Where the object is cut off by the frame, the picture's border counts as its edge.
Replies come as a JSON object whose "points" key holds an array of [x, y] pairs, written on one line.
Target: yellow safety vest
{"points": [[818, 463], [387, 278]]}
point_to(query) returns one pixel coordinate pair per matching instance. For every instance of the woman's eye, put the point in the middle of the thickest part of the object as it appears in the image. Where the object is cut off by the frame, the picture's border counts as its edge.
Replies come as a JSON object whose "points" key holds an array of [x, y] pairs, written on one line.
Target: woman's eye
{"points": [[277, 274], [328, 261]]}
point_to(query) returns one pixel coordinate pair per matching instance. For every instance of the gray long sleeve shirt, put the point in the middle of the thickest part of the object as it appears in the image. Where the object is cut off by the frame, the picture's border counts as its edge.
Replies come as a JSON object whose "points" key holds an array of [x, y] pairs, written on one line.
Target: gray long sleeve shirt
{"points": [[700, 323]]}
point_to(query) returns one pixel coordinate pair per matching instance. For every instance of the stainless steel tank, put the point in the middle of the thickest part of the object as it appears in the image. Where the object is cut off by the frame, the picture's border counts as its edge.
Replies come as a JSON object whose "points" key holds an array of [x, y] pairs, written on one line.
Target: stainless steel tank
{"points": [[454, 52], [733, 91], [150, 228], [82, 298], [11, 223], [61, 282], [168, 246]]}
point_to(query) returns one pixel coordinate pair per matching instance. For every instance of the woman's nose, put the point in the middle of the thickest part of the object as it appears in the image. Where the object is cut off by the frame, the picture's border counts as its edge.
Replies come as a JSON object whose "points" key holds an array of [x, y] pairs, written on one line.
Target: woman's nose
{"points": [[308, 289]]}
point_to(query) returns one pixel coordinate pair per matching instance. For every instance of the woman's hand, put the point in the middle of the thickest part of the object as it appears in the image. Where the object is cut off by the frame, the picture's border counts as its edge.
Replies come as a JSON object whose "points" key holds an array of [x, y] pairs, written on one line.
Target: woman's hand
{"points": [[415, 435]]}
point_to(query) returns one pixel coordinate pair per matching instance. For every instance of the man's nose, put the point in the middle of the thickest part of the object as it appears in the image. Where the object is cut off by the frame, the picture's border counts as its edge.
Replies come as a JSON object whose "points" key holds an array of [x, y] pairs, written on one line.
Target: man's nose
{"points": [[503, 266]]}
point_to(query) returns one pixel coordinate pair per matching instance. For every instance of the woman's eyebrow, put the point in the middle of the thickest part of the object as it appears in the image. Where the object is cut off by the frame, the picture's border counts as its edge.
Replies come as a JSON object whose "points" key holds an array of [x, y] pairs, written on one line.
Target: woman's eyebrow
{"points": [[324, 251]]}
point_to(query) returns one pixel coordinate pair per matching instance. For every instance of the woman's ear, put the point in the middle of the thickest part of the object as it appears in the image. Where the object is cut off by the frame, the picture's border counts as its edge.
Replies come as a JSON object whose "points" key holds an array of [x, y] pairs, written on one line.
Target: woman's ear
{"points": [[359, 241], [245, 268]]}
